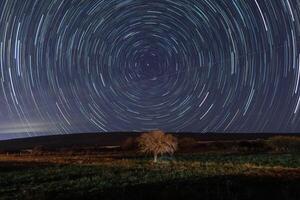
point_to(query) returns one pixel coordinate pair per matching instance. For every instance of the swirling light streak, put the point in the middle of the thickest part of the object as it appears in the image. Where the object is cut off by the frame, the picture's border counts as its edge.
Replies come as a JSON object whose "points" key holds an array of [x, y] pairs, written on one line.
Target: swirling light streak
{"points": [[123, 65]]}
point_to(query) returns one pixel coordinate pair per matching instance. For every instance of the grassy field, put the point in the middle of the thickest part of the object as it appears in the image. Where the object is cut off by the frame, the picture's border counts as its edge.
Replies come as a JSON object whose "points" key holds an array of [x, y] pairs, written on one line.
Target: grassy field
{"points": [[114, 176]]}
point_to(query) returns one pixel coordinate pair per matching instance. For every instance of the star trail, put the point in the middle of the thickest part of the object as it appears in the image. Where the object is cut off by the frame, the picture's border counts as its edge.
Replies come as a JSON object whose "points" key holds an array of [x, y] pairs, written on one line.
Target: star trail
{"points": [[71, 66]]}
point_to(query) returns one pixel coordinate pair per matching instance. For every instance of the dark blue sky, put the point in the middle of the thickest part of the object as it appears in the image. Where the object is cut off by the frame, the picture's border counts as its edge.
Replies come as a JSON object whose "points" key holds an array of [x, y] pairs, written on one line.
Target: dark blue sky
{"points": [[131, 65]]}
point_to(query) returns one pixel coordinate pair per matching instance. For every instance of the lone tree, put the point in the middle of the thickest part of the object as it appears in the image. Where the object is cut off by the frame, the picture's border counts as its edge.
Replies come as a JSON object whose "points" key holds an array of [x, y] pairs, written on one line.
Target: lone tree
{"points": [[157, 143]]}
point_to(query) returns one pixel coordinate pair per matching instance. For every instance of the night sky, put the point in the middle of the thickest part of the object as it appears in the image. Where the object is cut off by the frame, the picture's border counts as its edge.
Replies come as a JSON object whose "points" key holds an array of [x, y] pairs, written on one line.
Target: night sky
{"points": [[69, 66]]}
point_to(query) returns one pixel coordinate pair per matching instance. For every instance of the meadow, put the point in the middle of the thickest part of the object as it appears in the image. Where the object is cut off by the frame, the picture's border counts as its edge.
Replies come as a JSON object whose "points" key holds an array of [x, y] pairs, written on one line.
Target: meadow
{"points": [[126, 175]]}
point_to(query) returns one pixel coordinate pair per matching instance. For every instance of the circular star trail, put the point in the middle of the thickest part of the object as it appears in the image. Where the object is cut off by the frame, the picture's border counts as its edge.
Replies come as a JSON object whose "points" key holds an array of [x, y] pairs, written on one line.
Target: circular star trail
{"points": [[132, 65]]}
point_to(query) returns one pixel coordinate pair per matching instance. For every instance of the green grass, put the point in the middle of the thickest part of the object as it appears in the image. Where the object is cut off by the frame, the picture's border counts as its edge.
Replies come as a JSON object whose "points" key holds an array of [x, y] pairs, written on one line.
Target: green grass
{"points": [[211, 174], [267, 160]]}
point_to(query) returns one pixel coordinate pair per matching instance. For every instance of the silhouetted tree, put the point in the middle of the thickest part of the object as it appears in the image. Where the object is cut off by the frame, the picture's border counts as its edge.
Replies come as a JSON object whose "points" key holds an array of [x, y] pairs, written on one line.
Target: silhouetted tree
{"points": [[157, 143]]}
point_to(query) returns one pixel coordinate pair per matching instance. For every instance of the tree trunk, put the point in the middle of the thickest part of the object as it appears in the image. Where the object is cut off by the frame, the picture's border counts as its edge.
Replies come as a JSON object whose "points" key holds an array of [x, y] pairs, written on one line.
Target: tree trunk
{"points": [[155, 157]]}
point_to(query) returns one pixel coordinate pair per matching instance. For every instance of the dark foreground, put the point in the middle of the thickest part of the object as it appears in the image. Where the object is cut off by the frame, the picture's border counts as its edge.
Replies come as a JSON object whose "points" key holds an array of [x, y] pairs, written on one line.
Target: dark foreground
{"points": [[119, 176]]}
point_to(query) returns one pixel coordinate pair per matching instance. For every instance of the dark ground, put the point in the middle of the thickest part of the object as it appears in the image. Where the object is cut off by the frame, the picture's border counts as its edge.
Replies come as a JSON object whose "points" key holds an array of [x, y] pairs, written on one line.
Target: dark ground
{"points": [[114, 139], [218, 167]]}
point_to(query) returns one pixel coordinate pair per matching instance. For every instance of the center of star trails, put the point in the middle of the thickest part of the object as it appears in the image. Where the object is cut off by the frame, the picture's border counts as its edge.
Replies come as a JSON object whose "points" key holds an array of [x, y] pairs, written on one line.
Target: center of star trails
{"points": [[150, 67]]}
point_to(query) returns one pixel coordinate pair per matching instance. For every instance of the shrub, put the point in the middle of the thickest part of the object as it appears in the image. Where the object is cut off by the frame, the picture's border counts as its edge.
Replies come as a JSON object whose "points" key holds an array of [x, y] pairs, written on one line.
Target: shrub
{"points": [[219, 145], [129, 144], [187, 143], [285, 143], [254, 146], [38, 150]]}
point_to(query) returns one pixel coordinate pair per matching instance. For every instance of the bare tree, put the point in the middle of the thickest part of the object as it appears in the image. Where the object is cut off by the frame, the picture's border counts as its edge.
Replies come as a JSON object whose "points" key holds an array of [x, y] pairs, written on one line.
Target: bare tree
{"points": [[157, 143]]}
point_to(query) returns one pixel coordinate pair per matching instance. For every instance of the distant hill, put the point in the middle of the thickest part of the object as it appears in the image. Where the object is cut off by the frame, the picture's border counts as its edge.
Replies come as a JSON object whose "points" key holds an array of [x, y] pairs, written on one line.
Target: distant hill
{"points": [[83, 140]]}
